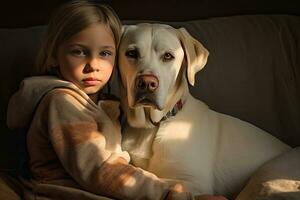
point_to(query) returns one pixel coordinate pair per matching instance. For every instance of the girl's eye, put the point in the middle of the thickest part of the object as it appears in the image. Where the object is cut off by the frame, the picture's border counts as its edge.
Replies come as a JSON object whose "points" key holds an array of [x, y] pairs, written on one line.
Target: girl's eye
{"points": [[105, 53], [133, 53], [78, 52], [167, 57]]}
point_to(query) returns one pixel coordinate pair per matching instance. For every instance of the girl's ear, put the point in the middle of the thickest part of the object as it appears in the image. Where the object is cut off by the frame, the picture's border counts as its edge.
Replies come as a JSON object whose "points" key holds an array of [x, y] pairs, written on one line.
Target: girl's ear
{"points": [[196, 54]]}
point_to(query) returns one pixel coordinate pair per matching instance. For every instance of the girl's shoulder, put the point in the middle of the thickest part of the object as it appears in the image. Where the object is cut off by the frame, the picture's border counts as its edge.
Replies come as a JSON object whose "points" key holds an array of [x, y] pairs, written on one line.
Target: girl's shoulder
{"points": [[65, 105], [60, 93], [66, 97]]}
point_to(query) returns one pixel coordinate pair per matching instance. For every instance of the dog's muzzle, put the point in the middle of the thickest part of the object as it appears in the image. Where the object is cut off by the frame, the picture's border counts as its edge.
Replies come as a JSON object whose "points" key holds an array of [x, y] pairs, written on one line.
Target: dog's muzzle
{"points": [[145, 87]]}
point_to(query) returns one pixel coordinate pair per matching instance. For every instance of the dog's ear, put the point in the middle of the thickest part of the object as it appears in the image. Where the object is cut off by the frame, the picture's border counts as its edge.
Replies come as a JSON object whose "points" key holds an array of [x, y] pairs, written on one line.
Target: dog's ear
{"points": [[124, 27], [196, 54]]}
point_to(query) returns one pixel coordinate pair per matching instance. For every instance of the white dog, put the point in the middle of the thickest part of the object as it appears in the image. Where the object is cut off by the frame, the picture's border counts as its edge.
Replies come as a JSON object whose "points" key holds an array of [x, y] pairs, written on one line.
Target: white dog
{"points": [[174, 135]]}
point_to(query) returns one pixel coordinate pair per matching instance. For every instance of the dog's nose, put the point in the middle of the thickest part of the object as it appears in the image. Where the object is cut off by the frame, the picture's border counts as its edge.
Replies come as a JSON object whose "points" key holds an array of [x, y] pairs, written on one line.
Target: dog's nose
{"points": [[146, 83]]}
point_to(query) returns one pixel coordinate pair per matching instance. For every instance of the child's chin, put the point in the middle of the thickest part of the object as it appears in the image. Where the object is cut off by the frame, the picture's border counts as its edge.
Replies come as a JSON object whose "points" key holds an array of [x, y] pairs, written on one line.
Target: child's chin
{"points": [[91, 90]]}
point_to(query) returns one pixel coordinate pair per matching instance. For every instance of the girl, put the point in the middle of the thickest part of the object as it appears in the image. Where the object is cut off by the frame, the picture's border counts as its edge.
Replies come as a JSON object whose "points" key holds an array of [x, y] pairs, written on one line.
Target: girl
{"points": [[73, 138]]}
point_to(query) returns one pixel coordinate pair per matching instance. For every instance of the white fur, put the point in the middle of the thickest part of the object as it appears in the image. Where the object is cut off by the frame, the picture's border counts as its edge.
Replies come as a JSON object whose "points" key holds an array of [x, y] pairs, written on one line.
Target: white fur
{"points": [[210, 152]]}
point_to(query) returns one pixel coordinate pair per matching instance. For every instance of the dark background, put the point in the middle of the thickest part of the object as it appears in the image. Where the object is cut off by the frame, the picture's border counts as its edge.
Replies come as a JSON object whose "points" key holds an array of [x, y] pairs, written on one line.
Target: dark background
{"points": [[36, 12]]}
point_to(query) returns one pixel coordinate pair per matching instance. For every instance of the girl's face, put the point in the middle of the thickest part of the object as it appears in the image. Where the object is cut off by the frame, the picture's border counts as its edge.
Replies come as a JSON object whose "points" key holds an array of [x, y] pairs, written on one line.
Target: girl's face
{"points": [[87, 58]]}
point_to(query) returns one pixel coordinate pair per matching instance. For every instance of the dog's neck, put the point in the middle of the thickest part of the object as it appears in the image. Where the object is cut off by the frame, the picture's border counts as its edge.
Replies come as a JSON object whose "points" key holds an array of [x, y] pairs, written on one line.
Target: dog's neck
{"points": [[175, 103], [177, 107]]}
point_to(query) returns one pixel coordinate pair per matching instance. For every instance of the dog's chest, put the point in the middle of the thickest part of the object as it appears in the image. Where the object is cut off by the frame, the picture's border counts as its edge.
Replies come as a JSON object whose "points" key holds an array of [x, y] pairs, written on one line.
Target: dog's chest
{"points": [[179, 148], [174, 139], [183, 133]]}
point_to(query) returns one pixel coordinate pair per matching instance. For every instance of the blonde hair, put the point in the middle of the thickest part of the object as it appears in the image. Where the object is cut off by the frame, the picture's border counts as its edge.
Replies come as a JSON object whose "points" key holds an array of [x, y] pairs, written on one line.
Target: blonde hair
{"points": [[69, 20]]}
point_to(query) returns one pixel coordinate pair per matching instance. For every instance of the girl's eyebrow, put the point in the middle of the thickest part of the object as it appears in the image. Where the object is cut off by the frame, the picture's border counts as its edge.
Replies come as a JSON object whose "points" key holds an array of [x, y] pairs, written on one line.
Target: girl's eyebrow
{"points": [[82, 46], [108, 47]]}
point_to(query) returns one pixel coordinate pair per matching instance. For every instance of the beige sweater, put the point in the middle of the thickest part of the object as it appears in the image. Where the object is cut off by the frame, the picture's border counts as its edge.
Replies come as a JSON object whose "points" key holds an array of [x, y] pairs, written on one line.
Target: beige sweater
{"points": [[74, 145]]}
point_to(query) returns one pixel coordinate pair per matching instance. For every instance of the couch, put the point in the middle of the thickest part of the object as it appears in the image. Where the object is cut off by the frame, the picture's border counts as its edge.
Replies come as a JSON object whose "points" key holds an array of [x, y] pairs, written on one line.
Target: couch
{"points": [[253, 73]]}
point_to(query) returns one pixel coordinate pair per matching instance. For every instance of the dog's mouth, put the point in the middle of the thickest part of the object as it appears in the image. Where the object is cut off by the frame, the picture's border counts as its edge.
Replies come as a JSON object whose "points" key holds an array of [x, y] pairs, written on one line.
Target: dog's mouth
{"points": [[146, 100]]}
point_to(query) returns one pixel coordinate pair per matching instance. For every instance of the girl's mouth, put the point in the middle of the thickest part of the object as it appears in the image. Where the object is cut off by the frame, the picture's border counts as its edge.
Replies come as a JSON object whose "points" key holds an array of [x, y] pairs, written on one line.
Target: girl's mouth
{"points": [[90, 81]]}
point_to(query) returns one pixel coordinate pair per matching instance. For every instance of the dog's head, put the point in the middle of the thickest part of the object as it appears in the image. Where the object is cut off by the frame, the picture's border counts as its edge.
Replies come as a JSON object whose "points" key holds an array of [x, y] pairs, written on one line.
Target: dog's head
{"points": [[153, 60]]}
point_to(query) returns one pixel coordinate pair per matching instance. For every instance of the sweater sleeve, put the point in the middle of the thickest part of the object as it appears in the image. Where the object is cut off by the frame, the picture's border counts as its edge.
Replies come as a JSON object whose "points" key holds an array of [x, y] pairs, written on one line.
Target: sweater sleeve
{"points": [[80, 145]]}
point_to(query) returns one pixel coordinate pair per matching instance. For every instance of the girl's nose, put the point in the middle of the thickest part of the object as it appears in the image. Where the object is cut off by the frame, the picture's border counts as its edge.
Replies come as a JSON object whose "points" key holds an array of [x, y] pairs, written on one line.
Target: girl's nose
{"points": [[91, 65]]}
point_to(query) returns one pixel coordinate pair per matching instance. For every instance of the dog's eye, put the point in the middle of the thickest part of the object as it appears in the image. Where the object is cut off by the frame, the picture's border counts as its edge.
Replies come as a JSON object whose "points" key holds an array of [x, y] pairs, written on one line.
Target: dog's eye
{"points": [[167, 57], [132, 54]]}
